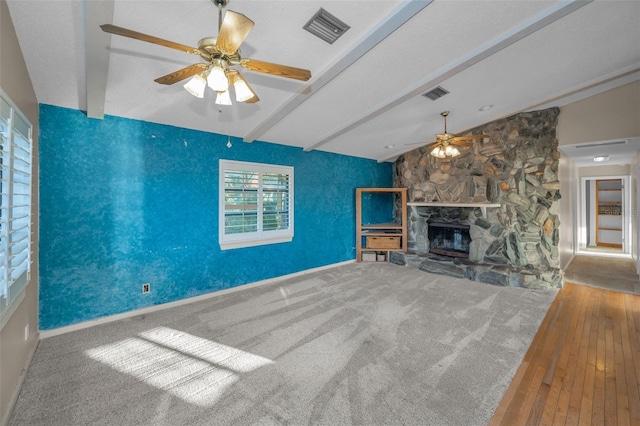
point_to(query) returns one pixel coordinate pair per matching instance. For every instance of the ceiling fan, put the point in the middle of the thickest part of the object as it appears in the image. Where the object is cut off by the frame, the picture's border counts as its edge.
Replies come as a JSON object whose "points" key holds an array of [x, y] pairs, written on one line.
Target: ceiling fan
{"points": [[444, 145], [221, 54]]}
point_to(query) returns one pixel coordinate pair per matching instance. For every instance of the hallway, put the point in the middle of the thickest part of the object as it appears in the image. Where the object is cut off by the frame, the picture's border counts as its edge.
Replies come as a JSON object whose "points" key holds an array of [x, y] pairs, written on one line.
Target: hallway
{"points": [[606, 272]]}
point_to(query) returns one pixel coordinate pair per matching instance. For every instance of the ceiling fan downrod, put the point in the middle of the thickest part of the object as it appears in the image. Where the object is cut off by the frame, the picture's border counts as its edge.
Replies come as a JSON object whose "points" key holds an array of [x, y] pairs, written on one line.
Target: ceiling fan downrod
{"points": [[220, 4], [444, 114]]}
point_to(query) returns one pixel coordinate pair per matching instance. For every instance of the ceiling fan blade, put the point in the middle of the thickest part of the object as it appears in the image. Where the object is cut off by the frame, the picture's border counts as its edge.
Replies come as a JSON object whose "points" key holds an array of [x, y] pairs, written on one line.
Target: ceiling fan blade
{"points": [[235, 28], [470, 137], [275, 69], [108, 28], [180, 75], [236, 75], [460, 143], [426, 144]]}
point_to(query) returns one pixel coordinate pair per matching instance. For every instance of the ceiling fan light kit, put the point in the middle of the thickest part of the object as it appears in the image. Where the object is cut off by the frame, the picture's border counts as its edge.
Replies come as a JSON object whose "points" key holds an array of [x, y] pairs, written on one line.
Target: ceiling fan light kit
{"points": [[444, 152], [220, 54]]}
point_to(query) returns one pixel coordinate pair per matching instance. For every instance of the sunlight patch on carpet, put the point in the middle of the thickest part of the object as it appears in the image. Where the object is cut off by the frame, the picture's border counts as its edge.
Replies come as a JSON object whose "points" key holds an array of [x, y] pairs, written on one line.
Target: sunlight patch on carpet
{"points": [[191, 368]]}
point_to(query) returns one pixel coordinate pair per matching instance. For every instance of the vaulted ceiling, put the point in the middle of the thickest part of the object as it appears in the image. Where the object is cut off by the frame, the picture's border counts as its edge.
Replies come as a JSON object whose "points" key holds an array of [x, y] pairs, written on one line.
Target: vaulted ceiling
{"points": [[365, 95]]}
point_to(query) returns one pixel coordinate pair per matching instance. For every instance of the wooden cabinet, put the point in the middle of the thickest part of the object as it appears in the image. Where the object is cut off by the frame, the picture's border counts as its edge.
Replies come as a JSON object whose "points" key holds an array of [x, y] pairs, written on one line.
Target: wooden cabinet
{"points": [[381, 222], [609, 213]]}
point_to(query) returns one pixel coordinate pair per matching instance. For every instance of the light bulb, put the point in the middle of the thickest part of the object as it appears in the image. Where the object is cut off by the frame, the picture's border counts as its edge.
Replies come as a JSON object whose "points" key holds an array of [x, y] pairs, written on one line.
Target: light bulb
{"points": [[196, 86], [454, 152], [217, 79], [223, 98]]}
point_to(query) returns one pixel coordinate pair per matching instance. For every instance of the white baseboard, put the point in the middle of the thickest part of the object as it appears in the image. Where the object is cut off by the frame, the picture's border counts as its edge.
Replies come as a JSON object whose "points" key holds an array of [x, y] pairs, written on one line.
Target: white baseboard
{"points": [[44, 334]]}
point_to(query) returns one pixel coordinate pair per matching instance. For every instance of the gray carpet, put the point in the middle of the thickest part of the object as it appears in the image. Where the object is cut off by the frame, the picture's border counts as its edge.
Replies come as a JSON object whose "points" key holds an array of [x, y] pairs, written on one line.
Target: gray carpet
{"points": [[362, 344], [610, 273]]}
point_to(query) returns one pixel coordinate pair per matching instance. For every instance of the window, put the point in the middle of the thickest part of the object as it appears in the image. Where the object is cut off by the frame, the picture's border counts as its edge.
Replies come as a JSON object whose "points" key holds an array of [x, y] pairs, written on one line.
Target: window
{"points": [[256, 204], [15, 208]]}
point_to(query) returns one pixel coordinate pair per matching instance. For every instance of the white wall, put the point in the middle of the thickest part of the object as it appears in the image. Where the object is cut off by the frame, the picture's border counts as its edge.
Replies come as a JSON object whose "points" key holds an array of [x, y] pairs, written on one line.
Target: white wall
{"points": [[568, 176], [609, 115], [15, 350], [597, 171]]}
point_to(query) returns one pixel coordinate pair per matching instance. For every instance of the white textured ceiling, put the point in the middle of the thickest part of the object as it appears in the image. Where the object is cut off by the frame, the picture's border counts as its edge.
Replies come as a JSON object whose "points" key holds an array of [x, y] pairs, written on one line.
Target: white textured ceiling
{"points": [[364, 98]]}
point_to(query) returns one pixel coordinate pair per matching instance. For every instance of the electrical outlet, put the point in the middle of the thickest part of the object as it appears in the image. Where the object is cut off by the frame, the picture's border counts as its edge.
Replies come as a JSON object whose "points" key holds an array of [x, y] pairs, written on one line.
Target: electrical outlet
{"points": [[146, 287], [26, 332]]}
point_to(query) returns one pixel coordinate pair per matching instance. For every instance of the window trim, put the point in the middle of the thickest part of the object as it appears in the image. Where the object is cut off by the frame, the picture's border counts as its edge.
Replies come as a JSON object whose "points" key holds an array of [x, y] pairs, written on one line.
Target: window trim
{"points": [[251, 239], [15, 285]]}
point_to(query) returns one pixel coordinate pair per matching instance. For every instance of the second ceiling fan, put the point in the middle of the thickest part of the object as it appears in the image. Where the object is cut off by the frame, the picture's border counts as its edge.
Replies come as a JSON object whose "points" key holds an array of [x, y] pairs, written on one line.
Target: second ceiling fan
{"points": [[445, 143], [221, 54]]}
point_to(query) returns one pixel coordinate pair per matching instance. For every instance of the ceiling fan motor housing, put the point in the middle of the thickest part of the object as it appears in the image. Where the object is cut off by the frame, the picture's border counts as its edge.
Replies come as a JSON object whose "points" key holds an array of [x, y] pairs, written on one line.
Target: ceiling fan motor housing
{"points": [[209, 51]]}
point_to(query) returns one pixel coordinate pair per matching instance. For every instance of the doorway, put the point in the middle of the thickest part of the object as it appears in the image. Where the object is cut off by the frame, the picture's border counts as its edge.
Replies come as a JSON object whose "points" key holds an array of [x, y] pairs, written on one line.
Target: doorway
{"points": [[604, 216]]}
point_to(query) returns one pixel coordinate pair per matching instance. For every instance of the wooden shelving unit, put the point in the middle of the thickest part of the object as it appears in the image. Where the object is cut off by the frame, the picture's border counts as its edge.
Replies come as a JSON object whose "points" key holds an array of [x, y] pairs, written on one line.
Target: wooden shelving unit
{"points": [[381, 238], [609, 213]]}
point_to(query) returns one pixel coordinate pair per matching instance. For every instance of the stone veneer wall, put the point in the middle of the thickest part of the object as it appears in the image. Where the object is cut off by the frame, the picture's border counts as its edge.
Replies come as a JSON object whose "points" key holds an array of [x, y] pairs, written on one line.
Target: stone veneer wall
{"points": [[517, 167]]}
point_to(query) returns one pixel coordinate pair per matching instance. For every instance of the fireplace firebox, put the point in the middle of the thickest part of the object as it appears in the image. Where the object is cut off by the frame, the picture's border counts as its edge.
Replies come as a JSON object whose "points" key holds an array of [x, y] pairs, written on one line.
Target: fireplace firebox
{"points": [[449, 239]]}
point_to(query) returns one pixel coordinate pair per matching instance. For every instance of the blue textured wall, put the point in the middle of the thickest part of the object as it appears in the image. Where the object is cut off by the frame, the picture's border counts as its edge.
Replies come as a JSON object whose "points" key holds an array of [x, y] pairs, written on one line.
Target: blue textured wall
{"points": [[126, 202]]}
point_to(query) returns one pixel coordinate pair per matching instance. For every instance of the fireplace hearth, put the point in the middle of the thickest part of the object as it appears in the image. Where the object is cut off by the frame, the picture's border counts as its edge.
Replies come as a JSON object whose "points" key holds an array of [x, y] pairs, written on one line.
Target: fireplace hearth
{"points": [[449, 239]]}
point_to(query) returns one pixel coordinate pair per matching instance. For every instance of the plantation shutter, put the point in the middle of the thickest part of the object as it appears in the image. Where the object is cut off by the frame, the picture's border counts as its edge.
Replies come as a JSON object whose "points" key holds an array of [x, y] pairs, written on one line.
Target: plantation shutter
{"points": [[256, 204], [15, 210]]}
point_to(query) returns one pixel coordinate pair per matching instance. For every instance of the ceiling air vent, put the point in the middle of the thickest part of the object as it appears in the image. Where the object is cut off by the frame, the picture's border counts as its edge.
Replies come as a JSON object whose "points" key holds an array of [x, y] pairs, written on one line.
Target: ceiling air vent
{"points": [[593, 145], [326, 26], [436, 93]]}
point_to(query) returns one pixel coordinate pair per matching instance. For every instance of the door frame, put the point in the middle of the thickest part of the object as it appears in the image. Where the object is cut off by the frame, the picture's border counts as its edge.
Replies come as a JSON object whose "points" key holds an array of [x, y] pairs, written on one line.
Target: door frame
{"points": [[581, 242]]}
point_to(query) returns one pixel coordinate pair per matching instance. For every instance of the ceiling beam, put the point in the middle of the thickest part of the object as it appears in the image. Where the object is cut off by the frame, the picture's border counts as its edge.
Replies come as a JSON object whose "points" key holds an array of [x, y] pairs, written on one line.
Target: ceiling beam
{"points": [[401, 14], [97, 47], [485, 50]]}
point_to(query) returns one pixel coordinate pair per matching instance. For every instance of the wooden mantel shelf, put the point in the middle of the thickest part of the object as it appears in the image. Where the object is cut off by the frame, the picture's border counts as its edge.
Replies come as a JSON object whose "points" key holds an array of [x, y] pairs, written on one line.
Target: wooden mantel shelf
{"points": [[483, 206]]}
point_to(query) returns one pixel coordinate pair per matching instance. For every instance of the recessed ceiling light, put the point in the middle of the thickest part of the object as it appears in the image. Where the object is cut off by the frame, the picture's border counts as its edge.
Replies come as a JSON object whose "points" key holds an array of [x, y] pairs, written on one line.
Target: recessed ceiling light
{"points": [[485, 108], [599, 158], [390, 146]]}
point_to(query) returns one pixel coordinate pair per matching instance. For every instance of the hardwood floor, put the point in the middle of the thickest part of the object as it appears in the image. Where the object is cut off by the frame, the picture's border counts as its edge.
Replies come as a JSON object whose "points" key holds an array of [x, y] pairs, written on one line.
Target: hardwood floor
{"points": [[583, 366]]}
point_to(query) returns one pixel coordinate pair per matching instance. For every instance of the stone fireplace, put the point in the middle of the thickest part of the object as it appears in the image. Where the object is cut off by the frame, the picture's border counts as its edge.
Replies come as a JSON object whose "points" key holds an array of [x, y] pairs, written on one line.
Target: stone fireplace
{"points": [[503, 191]]}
